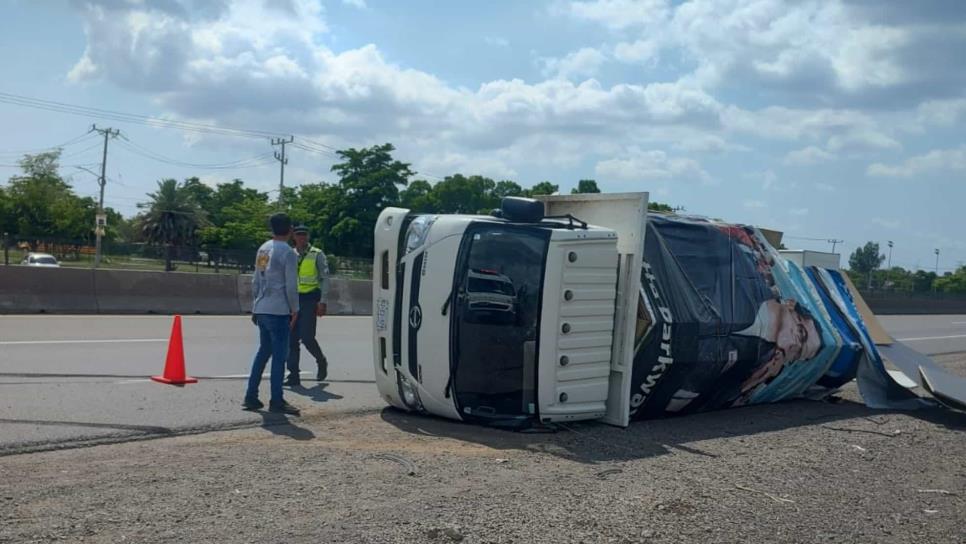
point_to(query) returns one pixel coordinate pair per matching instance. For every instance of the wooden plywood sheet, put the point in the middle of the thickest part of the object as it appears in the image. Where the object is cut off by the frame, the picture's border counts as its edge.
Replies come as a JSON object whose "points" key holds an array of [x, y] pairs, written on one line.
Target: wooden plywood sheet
{"points": [[876, 331]]}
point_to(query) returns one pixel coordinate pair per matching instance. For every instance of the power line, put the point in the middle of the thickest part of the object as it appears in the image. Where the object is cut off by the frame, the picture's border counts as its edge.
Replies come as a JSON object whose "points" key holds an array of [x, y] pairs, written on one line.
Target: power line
{"points": [[72, 141], [317, 151], [249, 162], [86, 111], [82, 151]]}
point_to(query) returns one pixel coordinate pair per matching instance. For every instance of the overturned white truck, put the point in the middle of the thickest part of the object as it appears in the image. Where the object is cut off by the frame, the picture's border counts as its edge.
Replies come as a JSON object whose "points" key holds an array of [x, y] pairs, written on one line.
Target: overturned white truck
{"points": [[583, 307]]}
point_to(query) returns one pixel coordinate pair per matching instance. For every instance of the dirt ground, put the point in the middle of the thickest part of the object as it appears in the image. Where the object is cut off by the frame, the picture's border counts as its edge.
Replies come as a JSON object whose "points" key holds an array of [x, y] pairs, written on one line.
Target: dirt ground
{"points": [[793, 472]]}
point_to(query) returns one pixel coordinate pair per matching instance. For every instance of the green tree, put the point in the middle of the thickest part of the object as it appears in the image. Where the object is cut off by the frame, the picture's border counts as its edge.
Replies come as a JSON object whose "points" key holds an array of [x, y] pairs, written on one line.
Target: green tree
{"points": [[865, 259], [7, 222], [461, 194], [419, 196], [659, 207], [369, 180], [544, 188], [952, 283], [585, 186], [507, 188], [201, 193], [922, 281], [173, 218], [227, 195], [41, 204]]}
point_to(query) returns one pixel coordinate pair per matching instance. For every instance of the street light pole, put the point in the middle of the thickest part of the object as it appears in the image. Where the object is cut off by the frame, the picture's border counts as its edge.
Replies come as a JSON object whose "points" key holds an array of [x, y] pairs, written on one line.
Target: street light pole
{"points": [[890, 254], [937, 270]]}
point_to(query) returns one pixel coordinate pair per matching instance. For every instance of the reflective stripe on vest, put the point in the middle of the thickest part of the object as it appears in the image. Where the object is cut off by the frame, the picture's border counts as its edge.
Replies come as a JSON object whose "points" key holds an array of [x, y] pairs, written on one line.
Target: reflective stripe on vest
{"points": [[309, 271]]}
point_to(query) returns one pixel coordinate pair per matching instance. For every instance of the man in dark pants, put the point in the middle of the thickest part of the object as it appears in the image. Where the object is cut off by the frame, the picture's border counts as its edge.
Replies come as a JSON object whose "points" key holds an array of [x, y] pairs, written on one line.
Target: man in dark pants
{"points": [[313, 287]]}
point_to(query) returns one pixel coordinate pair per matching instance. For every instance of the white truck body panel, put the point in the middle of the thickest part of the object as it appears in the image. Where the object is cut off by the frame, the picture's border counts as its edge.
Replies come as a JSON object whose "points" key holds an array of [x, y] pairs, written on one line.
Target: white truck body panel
{"points": [[576, 325], [626, 215], [804, 258]]}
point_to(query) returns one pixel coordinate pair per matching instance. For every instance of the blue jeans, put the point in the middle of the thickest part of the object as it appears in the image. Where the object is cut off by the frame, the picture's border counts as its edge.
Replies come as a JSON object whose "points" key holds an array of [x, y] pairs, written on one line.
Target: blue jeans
{"points": [[273, 331]]}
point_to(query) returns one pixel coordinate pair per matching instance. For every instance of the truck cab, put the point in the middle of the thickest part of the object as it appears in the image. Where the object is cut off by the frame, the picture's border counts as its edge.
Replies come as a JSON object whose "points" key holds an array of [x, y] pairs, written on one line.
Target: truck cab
{"points": [[506, 319]]}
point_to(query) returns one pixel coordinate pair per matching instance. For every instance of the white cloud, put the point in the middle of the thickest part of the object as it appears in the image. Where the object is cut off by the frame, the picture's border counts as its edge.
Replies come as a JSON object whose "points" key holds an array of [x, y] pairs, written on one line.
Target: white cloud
{"points": [[447, 163], [942, 112], [704, 143], [361, 4], [865, 140], [798, 212], [640, 165], [620, 14], [754, 204], [637, 52], [937, 160], [824, 52], [807, 156], [582, 63], [794, 123]]}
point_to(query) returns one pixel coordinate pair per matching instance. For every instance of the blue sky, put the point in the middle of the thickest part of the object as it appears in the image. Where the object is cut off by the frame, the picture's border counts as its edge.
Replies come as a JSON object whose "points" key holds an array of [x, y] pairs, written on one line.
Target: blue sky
{"points": [[826, 119]]}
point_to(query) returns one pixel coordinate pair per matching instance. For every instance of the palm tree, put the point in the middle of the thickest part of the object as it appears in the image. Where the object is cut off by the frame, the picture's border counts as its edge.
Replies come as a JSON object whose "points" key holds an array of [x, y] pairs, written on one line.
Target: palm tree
{"points": [[172, 219]]}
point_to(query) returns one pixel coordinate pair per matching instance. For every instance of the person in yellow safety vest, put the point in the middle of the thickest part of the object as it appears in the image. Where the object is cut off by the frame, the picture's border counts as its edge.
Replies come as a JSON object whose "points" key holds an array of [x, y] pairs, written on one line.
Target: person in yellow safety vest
{"points": [[313, 288]]}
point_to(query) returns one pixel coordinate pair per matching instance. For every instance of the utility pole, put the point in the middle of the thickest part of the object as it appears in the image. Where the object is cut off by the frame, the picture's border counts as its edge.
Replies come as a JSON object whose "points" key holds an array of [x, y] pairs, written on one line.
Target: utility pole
{"points": [[101, 220], [834, 243], [283, 160], [890, 254]]}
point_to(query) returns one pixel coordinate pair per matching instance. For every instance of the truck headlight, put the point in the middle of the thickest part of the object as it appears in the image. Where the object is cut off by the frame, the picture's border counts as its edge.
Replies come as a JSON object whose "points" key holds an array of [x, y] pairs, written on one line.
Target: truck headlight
{"points": [[418, 231], [408, 392]]}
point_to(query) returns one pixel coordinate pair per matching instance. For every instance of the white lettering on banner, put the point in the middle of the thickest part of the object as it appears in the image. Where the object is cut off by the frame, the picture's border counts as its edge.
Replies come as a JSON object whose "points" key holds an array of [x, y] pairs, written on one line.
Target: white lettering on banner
{"points": [[664, 360]]}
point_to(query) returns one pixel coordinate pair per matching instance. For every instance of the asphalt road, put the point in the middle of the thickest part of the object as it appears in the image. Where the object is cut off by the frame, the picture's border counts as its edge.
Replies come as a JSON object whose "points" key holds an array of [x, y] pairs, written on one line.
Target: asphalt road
{"points": [[77, 379], [68, 380]]}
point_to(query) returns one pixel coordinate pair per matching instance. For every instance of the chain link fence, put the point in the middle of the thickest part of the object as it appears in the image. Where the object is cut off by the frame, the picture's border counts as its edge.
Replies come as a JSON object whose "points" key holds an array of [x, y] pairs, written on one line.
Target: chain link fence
{"points": [[139, 256]]}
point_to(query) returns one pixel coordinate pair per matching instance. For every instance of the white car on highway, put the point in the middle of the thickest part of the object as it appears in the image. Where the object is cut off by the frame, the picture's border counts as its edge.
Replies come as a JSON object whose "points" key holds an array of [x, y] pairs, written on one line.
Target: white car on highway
{"points": [[40, 259]]}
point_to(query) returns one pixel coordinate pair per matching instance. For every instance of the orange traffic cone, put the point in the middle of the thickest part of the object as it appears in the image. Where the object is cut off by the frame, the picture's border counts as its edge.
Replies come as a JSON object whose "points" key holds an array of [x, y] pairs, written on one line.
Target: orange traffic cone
{"points": [[174, 364]]}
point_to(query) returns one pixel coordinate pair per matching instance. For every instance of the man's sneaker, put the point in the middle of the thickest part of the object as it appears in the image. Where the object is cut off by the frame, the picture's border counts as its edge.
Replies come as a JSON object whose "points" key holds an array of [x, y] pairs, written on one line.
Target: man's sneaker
{"points": [[293, 380], [323, 370], [284, 408], [253, 404]]}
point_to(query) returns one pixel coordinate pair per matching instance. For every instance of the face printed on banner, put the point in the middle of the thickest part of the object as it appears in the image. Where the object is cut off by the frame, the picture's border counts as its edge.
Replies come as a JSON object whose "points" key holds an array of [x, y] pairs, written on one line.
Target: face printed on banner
{"points": [[797, 338]]}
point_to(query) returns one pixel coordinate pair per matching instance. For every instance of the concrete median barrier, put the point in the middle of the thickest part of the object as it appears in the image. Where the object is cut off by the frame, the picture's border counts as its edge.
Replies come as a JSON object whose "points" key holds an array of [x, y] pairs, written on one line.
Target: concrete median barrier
{"points": [[245, 293], [360, 293], [26, 290], [122, 291], [31, 290], [339, 302]]}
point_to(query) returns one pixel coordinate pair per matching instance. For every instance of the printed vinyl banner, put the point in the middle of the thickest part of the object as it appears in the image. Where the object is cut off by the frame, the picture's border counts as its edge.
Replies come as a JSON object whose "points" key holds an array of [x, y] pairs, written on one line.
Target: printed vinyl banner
{"points": [[725, 321]]}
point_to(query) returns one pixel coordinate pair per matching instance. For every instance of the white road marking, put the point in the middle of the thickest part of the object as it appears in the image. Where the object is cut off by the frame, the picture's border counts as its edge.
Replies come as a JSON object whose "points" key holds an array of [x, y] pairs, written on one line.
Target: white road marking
{"points": [[266, 375], [106, 341], [931, 338]]}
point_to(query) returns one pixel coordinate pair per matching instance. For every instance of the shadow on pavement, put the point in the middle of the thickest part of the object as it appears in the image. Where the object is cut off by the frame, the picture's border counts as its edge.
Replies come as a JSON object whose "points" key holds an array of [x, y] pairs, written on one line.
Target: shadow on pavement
{"points": [[282, 425], [593, 442], [316, 393]]}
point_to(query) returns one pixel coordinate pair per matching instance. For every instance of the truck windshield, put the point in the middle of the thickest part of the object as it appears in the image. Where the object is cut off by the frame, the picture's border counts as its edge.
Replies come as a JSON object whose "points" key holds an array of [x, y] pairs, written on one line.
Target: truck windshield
{"points": [[496, 323]]}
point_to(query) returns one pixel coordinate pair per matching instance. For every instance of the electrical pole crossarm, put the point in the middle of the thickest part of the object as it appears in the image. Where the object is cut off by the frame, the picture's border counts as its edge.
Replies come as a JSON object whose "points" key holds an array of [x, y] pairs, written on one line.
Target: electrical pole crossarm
{"points": [[283, 160]]}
